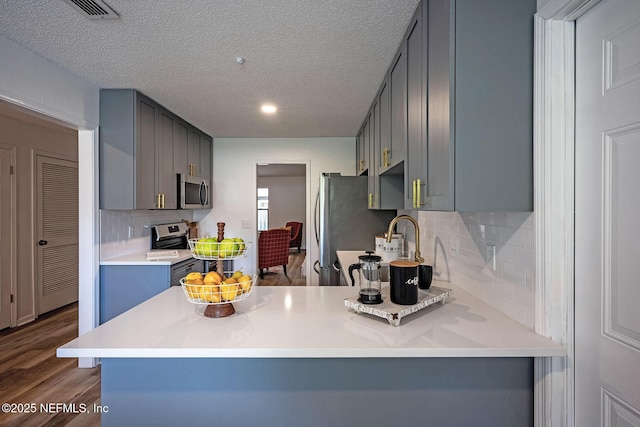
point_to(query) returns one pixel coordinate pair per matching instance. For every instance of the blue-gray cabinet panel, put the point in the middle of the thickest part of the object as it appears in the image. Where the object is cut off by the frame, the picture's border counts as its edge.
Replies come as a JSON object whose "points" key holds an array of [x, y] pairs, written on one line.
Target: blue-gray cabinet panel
{"points": [[441, 392], [124, 286]]}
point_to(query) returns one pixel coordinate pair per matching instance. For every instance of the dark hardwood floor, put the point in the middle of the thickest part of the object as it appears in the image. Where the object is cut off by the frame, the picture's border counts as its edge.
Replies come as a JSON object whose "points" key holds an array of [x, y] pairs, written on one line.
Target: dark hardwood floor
{"points": [[31, 375]]}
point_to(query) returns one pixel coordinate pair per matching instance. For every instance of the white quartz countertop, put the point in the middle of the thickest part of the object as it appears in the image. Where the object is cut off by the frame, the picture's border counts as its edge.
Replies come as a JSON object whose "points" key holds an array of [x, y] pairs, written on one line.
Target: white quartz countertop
{"points": [[308, 322], [140, 258]]}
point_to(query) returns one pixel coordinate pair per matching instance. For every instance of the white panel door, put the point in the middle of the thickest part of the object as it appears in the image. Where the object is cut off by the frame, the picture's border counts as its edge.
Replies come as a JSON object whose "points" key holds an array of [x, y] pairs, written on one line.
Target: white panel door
{"points": [[6, 243], [607, 245], [56, 271]]}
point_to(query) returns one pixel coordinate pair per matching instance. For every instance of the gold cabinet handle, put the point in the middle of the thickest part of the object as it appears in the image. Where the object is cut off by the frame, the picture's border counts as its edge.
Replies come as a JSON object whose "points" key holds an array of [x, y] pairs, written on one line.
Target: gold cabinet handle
{"points": [[370, 200], [361, 165], [419, 183], [162, 201], [157, 200], [413, 199], [385, 157]]}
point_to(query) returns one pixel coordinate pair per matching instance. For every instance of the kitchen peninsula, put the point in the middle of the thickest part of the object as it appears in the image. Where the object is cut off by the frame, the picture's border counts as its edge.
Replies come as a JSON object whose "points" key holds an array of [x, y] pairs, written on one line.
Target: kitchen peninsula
{"points": [[293, 356]]}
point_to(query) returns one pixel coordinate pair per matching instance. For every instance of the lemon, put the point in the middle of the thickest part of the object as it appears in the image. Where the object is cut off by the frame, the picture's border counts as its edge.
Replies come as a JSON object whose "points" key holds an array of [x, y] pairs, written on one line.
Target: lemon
{"points": [[245, 283], [194, 275], [229, 291], [193, 291], [212, 277], [237, 275], [210, 293]]}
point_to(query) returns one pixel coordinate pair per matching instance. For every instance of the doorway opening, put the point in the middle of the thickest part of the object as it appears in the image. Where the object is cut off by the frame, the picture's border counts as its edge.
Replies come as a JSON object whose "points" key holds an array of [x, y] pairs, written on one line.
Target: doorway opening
{"points": [[281, 203]]}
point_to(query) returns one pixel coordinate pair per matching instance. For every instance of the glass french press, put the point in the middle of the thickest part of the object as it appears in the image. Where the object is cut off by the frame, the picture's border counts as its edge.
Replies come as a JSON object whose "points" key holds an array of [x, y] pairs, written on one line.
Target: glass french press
{"points": [[368, 278]]}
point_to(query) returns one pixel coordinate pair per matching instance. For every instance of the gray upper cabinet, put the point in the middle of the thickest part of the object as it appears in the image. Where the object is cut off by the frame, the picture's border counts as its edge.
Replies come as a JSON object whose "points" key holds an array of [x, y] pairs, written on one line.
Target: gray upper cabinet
{"points": [[374, 146], [362, 149], [129, 151], [477, 154], [142, 148], [455, 111], [165, 176], [206, 161], [416, 121], [397, 142], [206, 157], [192, 151], [181, 162], [385, 190]]}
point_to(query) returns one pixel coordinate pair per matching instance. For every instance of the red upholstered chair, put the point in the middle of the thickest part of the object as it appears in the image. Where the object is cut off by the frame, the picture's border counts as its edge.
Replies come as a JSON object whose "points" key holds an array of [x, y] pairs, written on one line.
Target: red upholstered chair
{"points": [[296, 234], [273, 249]]}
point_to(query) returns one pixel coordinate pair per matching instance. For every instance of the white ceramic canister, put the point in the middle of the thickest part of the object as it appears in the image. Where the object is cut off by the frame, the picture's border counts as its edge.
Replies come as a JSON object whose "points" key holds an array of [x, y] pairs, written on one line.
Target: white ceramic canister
{"points": [[389, 251]]}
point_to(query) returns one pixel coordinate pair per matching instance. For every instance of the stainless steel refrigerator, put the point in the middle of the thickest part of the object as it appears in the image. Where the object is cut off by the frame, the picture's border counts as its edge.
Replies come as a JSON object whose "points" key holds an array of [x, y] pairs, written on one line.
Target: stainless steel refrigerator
{"points": [[344, 222]]}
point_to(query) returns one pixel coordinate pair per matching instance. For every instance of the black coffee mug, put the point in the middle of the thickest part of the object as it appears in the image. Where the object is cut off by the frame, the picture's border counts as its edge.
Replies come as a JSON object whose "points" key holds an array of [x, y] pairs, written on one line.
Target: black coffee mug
{"points": [[425, 274], [403, 278]]}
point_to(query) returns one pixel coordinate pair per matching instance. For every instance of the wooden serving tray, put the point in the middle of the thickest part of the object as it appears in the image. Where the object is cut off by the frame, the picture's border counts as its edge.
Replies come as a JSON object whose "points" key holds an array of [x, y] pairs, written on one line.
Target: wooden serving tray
{"points": [[394, 312]]}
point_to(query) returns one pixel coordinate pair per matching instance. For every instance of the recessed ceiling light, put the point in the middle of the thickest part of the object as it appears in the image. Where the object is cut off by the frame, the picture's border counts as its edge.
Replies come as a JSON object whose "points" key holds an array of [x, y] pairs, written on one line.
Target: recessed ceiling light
{"points": [[268, 108]]}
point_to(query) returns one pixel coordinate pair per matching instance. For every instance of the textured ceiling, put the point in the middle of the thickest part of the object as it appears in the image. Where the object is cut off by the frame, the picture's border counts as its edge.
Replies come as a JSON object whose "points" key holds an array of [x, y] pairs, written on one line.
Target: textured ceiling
{"points": [[319, 61]]}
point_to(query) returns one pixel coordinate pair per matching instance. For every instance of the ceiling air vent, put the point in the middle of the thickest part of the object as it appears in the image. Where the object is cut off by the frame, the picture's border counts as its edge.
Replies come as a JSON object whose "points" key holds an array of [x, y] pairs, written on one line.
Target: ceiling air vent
{"points": [[93, 9]]}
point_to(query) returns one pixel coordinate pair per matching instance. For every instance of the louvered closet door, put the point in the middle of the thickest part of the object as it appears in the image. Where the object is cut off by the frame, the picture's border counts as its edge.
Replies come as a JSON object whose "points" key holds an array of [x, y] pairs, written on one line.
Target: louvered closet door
{"points": [[56, 239]]}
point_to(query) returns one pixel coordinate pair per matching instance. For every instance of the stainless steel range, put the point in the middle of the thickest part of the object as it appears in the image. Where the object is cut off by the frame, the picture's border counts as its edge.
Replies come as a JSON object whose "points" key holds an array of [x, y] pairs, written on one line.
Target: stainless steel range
{"points": [[169, 236], [174, 236]]}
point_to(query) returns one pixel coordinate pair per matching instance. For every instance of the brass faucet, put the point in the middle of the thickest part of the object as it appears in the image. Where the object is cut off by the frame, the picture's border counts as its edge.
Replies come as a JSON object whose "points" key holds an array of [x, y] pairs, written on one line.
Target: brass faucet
{"points": [[418, 257]]}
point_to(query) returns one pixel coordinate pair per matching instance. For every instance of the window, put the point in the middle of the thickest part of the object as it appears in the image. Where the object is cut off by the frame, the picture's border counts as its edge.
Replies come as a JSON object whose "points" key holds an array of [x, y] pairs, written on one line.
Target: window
{"points": [[263, 209]]}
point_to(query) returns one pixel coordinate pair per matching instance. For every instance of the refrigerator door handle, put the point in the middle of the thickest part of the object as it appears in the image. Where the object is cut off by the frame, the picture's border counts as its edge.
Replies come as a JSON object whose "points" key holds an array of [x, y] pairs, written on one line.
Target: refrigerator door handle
{"points": [[315, 216]]}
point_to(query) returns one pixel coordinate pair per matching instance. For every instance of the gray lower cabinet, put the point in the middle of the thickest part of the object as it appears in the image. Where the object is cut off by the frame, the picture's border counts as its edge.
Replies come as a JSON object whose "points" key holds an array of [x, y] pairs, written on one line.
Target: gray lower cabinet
{"points": [[122, 287], [477, 146], [143, 146]]}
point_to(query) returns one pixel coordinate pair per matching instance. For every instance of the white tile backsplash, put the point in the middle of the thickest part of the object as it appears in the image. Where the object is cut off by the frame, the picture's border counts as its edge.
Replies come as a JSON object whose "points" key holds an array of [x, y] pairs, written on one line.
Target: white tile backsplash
{"points": [[509, 288], [114, 229]]}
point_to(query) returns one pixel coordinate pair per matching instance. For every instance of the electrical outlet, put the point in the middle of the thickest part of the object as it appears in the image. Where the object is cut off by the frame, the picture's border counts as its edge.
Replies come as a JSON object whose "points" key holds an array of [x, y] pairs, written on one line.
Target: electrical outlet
{"points": [[454, 247], [491, 256], [246, 224]]}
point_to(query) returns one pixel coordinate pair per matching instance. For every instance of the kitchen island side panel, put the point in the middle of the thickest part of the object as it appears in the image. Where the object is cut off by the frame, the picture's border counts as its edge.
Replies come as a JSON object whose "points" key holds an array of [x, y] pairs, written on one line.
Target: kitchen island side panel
{"points": [[444, 392]]}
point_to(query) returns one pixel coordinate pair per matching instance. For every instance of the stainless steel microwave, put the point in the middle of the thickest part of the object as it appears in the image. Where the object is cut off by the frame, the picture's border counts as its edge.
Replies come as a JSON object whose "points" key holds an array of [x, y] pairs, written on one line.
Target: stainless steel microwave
{"points": [[193, 192]]}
